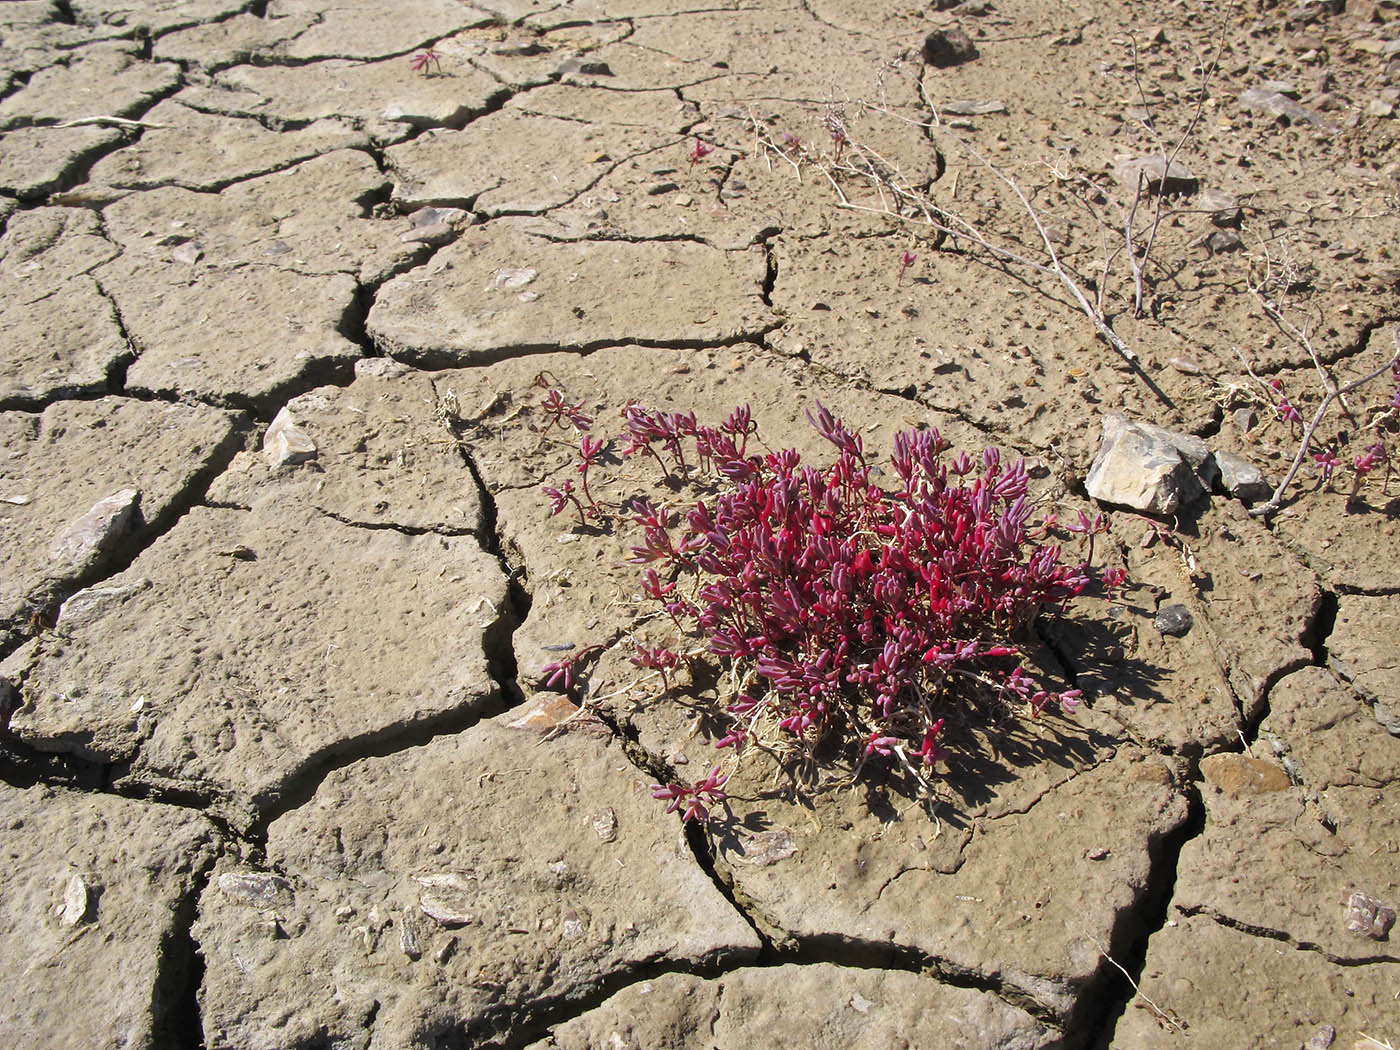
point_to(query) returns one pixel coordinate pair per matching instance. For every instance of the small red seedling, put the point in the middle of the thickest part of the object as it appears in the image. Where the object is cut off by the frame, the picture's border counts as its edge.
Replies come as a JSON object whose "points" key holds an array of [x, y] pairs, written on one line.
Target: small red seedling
{"points": [[698, 152], [425, 58]]}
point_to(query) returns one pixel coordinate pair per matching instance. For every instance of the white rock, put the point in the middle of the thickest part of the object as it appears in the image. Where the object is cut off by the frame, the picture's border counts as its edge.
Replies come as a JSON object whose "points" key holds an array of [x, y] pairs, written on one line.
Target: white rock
{"points": [[256, 889], [87, 538], [445, 897], [379, 368], [508, 278], [284, 444], [1148, 468], [77, 898], [90, 602]]}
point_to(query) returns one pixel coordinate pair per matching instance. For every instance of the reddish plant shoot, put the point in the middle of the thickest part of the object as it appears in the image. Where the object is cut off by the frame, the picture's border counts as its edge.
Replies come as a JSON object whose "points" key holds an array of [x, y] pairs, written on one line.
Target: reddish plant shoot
{"points": [[560, 673], [709, 789], [420, 62], [589, 450], [1089, 528], [698, 152], [1285, 409], [558, 412], [561, 498], [1383, 424], [659, 659], [1327, 461]]}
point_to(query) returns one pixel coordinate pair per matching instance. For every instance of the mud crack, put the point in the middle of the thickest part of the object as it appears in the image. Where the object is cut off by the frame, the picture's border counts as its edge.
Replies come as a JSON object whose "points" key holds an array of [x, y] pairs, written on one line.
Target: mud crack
{"points": [[1285, 937], [1112, 991]]}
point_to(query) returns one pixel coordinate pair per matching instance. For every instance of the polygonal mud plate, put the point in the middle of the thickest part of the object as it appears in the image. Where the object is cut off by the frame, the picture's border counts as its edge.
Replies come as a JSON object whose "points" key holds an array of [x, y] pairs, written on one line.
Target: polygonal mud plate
{"points": [[43, 247], [1029, 896], [384, 457], [454, 891], [745, 41], [38, 161], [1205, 986], [247, 647], [853, 16], [523, 57], [1161, 689], [514, 162], [1262, 602], [310, 219], [1362, 649], [96, 891], [202, 151], [602, 104], [380, 96], [1260, 823], [68, 344], [241, 38], [1335, 744], [841, 1007], [1347, 766], [158, 16], [1340, 541], [62, 462], [1004, 360], [731, 200], [633, 68], [1253, 608], [125, 83], [366, 30], [267, 331], [494, 293]]}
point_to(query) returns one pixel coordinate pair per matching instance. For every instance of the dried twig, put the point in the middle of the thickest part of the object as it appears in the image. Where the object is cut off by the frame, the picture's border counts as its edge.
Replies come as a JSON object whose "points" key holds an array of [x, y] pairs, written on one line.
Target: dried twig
{"points": [[865, 163], [1161, 1014], [121, 122], [1137, 263]]}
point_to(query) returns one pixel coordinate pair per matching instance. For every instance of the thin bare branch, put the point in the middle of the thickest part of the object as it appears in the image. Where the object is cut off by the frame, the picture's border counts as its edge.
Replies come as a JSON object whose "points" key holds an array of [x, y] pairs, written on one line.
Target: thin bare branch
{"points": [[121, 122]]}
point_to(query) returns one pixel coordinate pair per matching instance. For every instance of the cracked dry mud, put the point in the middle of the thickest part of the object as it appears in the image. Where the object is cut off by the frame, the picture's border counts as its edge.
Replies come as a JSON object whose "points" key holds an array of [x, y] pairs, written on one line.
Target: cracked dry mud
{"points": [[278, 768]]}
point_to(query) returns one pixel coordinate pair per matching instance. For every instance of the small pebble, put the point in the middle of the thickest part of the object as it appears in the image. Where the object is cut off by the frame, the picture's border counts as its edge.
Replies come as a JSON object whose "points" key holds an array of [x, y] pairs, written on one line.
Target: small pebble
{"points": [[1173, 619], [948, 47], [1369, 917], [1222, 241], [77, 899], [605, 825]]}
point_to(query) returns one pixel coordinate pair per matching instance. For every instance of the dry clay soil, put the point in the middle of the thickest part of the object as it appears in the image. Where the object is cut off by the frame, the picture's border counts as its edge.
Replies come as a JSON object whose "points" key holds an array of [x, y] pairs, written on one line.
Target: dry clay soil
{"points": [[280, 769]]}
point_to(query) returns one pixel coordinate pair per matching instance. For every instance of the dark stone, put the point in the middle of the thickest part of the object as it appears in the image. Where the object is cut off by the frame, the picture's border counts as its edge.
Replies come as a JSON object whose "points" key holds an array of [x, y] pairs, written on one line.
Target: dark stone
{"points": [[948, 47], [1173, 619], [1239, 477], [584, 67], [1224, 207], [1157, 175], [1281, 107], [1222, 241], [528, 49]]}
